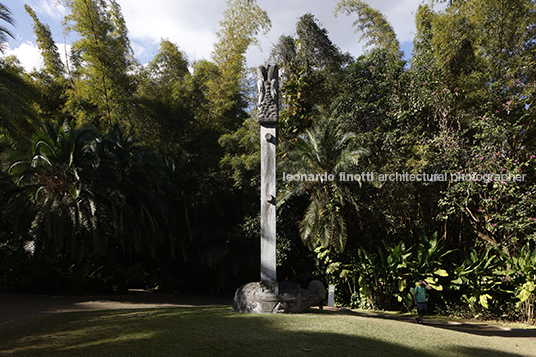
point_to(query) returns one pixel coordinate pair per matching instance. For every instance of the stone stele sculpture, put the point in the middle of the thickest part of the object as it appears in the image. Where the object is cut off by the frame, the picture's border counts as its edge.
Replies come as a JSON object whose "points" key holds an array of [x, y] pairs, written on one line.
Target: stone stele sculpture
{"points": [[268, 295]]}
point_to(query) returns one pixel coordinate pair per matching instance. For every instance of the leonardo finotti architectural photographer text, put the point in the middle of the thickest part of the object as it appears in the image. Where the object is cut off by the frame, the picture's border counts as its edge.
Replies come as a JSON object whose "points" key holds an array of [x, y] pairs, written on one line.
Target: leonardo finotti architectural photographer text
{"points": [[401, 177]]}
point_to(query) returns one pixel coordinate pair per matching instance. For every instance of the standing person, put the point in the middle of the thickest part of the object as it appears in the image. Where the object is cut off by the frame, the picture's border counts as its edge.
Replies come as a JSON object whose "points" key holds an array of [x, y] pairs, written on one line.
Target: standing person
{"points": [[420, 299]]}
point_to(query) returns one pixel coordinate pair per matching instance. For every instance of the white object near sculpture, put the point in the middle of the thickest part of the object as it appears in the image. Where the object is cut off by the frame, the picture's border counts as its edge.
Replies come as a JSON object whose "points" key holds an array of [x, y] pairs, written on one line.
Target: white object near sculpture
{"points": [[331, 296]]}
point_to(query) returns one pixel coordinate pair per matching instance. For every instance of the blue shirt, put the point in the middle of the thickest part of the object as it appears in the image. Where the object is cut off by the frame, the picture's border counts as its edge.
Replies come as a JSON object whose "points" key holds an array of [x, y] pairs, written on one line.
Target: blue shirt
{"points": [[420, 293]]}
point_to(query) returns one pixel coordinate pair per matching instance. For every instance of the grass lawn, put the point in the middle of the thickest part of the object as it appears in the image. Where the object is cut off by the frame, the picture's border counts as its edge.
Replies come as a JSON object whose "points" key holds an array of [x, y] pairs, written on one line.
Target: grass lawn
{"points": [[217, 331]]}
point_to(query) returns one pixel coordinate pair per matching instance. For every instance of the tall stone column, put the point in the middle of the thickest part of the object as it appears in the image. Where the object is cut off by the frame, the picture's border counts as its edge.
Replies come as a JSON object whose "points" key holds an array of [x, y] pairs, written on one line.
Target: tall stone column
{"points": [[269, 295], [268, 118]]}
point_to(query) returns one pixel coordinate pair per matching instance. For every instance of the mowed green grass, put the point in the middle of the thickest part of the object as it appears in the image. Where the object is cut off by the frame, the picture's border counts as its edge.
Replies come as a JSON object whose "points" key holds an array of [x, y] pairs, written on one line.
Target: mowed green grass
{"points": [[217, 331]]}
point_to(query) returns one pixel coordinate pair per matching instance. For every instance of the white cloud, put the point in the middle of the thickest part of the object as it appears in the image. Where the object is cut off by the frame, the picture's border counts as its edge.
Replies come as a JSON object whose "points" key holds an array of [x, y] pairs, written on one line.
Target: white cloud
{"points": [[52, 8], [189, 24], [30, 57], [64, 49], [402, 18], [28, 54]]}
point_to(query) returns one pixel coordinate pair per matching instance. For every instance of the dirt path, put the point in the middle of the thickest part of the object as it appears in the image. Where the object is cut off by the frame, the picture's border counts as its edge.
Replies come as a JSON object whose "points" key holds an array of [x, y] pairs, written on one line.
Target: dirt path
{"points": [[473, 327]]}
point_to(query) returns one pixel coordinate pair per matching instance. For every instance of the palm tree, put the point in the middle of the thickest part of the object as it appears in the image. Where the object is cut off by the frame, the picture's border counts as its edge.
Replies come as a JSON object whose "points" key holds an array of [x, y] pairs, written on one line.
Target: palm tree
{"points": [[17, 114], [137, 190], [95, 195], [70, 221], [322, 151], [5, 15]]}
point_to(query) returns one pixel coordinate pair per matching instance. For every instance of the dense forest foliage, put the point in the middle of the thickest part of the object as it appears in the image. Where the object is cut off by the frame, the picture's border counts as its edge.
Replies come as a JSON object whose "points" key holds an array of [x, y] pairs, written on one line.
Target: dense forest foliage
{"points": [[121, 175]]}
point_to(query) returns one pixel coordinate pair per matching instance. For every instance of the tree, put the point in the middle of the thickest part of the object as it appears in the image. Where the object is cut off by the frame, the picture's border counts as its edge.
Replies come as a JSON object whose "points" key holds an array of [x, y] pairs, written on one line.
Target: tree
{"points": [[375, 103], [50, 81], [322, 154], [69, 222], [17, 114], [129, 177], [242, 156], [46, 45], [242, 22], [17, 99], [95, 195], [164, 94], [372, 23], [312, 69], [101, 64], [483, 53]]}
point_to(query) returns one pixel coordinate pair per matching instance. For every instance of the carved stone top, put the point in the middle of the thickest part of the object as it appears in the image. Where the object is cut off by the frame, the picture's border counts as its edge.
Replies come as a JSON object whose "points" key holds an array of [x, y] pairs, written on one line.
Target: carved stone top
{"points": [[268, 87]]}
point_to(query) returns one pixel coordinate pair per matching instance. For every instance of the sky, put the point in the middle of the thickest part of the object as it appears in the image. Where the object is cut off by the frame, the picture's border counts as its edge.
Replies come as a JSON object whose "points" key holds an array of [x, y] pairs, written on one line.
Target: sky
{"points": [[192, 24]]}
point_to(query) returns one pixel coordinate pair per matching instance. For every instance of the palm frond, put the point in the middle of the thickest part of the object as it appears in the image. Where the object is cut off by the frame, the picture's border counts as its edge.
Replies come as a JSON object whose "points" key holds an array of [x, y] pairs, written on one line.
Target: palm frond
{"points": [[17, 114], [5, 15], [40, 161], [324, 148]]}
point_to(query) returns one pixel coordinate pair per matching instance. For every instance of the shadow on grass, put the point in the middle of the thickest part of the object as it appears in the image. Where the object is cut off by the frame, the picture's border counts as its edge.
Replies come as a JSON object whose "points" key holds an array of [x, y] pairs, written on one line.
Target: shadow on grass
{"points": [[486, 330], [208, 331], [474, 329], [15, 306]]}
